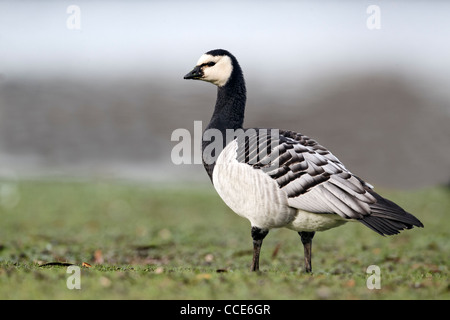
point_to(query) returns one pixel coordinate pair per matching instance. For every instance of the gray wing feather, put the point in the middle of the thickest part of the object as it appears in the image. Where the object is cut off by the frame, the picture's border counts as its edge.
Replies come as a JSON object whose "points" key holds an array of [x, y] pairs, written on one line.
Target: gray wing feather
{"points": [[315, 180], [312, 177]]}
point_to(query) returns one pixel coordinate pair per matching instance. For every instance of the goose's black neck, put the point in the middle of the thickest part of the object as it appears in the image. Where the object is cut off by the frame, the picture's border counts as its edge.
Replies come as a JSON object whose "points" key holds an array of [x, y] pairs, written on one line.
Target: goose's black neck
{"points": [[228, 112], [230, 103]]}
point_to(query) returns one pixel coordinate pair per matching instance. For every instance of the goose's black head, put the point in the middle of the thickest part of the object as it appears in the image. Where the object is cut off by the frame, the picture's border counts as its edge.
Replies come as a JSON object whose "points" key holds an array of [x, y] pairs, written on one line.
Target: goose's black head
{"points": [[215, 66]]}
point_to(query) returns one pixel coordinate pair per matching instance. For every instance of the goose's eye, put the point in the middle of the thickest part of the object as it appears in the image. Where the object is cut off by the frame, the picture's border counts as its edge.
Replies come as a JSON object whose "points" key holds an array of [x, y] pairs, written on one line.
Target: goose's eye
{"points": [[210, 64]]}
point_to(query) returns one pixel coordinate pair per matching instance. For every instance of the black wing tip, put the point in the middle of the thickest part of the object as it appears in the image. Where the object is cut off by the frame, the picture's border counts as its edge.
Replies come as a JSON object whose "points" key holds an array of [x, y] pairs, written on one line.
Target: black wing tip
{"points": [[387, 218], [387, 226]]}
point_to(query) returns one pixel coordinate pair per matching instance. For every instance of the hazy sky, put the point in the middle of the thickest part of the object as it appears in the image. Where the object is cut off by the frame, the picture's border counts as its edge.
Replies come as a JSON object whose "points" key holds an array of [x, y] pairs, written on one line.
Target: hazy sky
{"points": [[293, 39]]}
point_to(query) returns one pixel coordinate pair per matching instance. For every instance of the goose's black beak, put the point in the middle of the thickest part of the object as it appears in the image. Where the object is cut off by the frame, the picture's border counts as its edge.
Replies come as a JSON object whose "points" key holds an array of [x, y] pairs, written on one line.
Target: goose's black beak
{"points": [[196, 73]]}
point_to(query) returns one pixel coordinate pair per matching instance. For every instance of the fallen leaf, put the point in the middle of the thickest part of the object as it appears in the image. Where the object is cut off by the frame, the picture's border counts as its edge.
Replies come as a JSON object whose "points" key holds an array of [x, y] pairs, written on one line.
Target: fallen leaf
{"points": [[204, 276], [209, 257], [159, 270], [350, 283], [85, 264], [275, 251], [98, 256]]}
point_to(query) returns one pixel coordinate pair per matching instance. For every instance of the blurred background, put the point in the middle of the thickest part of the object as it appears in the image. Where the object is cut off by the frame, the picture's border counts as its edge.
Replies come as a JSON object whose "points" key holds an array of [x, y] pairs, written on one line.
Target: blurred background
{"points": [[94, 89]]}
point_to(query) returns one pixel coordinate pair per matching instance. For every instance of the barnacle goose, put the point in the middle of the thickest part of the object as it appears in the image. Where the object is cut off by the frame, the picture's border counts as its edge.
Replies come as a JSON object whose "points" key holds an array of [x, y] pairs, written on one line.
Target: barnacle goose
{"points": [[278, 178]]}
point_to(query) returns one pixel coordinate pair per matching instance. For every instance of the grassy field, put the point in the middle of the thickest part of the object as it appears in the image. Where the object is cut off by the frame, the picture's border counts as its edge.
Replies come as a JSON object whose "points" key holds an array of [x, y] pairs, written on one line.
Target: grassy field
{"points": [[148, 242]]}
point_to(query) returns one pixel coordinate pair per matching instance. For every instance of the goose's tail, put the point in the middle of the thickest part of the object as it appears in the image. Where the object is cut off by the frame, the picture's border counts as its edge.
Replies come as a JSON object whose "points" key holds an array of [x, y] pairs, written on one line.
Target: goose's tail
{"points": [[387, 218]]}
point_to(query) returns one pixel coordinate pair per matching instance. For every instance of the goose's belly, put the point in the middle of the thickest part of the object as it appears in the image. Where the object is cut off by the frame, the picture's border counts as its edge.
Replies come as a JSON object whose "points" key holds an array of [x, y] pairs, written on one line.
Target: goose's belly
{"points": [[308, 221], [254, 195], [258, 198], [250, 192]]}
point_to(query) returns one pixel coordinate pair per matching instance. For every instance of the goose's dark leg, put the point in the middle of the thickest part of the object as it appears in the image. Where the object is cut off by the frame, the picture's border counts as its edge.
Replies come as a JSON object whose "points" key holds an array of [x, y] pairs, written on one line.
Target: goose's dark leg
{"points": [[258, 235], [307, 246]]}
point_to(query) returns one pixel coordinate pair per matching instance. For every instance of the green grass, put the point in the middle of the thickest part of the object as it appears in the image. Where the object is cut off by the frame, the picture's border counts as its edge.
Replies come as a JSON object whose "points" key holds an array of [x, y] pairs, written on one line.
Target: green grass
{"points": [[148, 242]]}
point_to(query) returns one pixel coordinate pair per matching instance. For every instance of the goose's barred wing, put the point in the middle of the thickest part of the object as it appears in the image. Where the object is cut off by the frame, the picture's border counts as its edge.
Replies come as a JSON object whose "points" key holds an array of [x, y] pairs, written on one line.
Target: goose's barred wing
{"points": [[316, 181], [312, 177]]}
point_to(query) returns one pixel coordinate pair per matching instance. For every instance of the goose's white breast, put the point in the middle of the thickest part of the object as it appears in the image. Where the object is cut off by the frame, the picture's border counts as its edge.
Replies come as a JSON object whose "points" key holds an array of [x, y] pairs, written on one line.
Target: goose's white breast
{"points": [[251, 193]]}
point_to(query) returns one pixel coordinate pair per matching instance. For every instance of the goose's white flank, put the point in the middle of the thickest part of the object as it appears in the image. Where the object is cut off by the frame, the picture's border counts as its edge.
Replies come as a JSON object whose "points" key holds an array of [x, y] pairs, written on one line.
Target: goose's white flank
{"points": [[279, 178]]}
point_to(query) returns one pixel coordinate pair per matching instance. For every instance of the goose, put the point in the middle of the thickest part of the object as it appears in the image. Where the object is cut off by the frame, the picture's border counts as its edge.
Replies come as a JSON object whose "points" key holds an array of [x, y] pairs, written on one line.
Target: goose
{"points": [[280, 178]]}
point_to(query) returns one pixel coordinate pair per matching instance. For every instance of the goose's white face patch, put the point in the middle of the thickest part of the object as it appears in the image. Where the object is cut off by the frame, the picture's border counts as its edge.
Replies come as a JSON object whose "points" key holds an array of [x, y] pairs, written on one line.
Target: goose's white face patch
{"points": [[219, 73]]}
